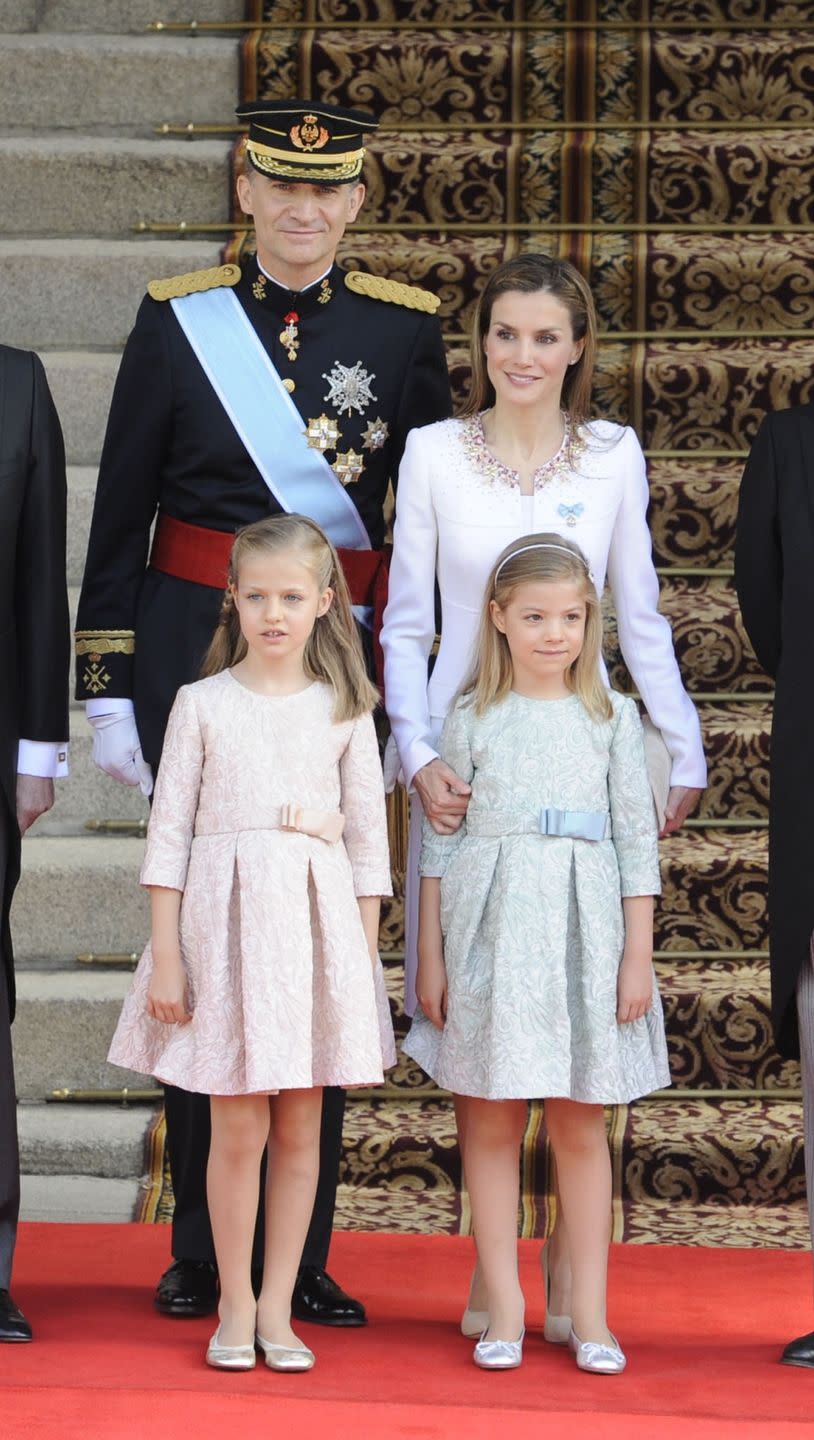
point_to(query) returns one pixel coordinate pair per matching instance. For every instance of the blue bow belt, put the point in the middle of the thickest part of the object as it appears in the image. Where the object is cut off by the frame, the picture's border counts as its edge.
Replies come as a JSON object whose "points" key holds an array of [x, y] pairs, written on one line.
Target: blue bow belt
{"points": [[568, 824]]}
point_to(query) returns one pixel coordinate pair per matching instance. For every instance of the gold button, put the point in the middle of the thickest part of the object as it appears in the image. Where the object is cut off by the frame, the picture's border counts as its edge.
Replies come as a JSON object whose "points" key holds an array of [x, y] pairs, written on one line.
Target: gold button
{"points": [[289, 386]]}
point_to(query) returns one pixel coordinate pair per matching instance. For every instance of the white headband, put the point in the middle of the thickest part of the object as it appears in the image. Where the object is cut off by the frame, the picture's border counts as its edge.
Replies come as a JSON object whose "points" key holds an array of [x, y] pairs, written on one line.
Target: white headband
{"points": [[547, 545]]}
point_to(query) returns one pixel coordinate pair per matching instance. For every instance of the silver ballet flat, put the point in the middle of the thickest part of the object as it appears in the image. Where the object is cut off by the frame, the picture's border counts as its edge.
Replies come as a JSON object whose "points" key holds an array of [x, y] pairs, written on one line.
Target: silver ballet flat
{"points": [[556, 1328], [499, 1354], [286, 1357], [229, 1357], [598, 1359], [474, 1323]]}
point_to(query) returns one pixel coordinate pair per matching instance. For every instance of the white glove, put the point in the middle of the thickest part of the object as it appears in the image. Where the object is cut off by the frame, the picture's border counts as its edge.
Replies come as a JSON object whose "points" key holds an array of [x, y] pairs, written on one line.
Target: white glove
{"points": [[117, 750]]}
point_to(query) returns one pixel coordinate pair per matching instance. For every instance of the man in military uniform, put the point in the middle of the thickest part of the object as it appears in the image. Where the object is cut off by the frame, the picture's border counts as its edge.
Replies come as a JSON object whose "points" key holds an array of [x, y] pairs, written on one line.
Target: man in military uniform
{"points": [[289, 384]]}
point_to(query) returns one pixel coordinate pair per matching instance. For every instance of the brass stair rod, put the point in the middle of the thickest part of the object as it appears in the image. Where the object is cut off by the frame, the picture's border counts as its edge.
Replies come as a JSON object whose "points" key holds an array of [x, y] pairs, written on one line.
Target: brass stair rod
{"points": [[498, 25], [117, 827], [543, 125], [122, 1097], [108, 957], [501, 227]]}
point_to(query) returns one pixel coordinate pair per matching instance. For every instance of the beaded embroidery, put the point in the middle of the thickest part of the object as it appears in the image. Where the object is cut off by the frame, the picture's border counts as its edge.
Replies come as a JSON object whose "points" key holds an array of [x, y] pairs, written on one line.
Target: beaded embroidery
{"points": [[560, 466]]}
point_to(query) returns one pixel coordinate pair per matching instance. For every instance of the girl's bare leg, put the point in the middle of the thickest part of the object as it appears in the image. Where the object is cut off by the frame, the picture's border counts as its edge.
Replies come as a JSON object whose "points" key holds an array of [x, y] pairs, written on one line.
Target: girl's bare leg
{"points": [[239, 1131], [494, 1130], [559, 1260], [580, 1143], [293, 1167], [477, 1285]]}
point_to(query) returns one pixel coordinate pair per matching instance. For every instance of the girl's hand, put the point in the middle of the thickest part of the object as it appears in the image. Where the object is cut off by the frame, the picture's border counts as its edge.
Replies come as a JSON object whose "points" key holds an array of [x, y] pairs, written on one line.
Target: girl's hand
{"points": [[167, 993], [431, 984], [634, 989]]}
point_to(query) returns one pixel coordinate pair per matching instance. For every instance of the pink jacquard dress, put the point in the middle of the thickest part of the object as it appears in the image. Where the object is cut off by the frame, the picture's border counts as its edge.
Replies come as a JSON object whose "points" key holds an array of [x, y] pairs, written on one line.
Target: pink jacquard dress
{"points": [[283, 992]]}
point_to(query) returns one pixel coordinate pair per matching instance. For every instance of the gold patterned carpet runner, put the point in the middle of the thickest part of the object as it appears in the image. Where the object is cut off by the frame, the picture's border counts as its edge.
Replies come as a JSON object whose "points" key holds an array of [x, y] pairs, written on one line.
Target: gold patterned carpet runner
{"points": [[668, 149]]}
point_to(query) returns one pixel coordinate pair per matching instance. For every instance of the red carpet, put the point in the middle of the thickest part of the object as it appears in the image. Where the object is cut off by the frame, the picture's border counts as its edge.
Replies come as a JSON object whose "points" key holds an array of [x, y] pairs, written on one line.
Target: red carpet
{"points": [[702, 1328]]}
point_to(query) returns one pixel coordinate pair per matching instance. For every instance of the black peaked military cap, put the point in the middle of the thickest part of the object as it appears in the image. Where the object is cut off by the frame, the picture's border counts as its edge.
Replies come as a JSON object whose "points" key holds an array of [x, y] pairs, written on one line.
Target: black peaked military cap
{"points": [[306, 141]]}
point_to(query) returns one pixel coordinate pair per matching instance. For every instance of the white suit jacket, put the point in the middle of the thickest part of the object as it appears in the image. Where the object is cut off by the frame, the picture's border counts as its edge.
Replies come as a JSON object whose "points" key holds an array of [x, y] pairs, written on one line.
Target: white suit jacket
{"points": [[456, 509]]}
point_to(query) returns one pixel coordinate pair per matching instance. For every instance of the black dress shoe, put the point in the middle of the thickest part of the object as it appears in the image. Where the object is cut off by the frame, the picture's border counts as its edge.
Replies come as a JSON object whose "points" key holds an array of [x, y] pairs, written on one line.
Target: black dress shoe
{"points": [[800, 1352], [14, 1328], [189, 1287], [318, 1298]]}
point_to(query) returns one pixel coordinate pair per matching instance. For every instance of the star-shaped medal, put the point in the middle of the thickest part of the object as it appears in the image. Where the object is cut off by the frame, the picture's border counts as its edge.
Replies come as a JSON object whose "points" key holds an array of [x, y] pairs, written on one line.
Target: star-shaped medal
{"points": [[348, 467], [322, 433], [376, 434], [349, 387]]}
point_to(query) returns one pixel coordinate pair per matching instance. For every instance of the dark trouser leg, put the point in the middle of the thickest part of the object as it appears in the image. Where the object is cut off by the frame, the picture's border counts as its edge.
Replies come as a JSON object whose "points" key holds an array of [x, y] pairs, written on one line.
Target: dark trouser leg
{"points": [[318, 1239], [188, 1135], [805, 1019], [9, 1153]]}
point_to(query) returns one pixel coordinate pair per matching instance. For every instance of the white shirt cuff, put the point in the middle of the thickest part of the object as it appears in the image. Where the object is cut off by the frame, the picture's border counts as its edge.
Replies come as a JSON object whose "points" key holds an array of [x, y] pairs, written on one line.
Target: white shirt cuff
{"points": [[419, 754], [46, 758], [109, 707]]}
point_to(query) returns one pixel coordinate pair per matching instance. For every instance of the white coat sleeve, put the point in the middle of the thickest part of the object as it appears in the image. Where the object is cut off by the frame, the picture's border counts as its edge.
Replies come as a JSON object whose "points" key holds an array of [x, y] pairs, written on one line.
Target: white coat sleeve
{"points": [[408, 631], [644, 635]]}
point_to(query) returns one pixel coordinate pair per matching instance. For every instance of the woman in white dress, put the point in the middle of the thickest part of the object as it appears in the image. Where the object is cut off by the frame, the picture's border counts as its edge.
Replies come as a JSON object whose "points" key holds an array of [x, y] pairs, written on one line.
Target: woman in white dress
{"points": [[524, 457]]}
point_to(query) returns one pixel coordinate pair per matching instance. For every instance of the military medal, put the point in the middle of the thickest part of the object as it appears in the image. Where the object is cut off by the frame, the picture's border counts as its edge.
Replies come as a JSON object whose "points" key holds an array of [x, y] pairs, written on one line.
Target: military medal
{"points": [[375, 434], [349, 387], [348, 467], [322, 433], [288, 337]]}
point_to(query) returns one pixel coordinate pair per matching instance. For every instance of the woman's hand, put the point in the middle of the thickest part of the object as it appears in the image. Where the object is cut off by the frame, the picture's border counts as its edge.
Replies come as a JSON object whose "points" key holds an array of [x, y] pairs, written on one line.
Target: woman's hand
{"points": [[167, 993], [431, 983], [634, 989], [681, 801], [444, 796]]}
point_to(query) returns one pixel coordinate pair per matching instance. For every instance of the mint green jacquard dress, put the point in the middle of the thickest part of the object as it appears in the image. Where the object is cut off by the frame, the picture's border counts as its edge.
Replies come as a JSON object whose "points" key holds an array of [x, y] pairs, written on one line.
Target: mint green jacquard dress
{"points": [[533, 922]]}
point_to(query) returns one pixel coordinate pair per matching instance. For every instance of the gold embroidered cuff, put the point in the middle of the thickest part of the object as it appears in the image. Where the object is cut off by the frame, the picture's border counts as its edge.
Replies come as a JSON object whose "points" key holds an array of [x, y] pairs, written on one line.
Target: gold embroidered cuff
{"points": [[105, 642]]}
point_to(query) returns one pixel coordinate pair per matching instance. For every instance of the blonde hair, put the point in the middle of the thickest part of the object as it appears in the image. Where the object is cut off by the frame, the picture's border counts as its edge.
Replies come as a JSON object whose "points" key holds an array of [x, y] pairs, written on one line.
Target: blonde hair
{"points": [[333, 652], [529, 274], [537, 558]]}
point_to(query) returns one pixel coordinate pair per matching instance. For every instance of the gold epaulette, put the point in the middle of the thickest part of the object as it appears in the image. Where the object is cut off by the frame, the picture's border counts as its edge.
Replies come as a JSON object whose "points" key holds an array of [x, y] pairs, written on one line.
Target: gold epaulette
{"points": [[378, 288], [193, 281]]}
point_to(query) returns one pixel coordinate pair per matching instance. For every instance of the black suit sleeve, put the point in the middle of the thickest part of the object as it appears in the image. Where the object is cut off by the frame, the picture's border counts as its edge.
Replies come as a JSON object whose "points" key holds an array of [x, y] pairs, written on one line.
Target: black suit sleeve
{"points": [[758, 555], [41, 599], [139, 433], [426, 395]]}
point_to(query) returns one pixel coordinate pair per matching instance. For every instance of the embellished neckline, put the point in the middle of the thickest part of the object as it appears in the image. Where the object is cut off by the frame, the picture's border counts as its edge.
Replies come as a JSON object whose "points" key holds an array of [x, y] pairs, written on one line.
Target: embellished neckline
{"points": [[496, 472]]}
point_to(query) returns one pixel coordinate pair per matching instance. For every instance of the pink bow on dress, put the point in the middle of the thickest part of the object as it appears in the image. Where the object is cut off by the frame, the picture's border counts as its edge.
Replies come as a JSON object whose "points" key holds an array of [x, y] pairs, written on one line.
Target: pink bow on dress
{"points": [[322, 824]]}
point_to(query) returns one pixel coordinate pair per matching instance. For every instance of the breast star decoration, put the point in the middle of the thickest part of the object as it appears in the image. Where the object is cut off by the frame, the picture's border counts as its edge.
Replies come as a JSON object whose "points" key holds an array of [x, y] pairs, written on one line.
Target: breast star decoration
{"points": [[348, 466], [375, 434], [322, 433], [349, 387]]}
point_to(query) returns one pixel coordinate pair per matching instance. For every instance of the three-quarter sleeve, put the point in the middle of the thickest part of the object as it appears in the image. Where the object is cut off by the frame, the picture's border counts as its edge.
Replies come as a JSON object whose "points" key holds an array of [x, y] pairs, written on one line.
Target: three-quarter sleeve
{"points": [[438, 850], [362, 805], [644, 635], [408, 631], [175, 799], [633, 816]]}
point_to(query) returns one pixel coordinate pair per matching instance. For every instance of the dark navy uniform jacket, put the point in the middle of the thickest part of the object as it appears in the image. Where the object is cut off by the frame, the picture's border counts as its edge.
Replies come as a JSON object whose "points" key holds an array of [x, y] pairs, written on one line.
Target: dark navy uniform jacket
{"points": [[170, 446]]}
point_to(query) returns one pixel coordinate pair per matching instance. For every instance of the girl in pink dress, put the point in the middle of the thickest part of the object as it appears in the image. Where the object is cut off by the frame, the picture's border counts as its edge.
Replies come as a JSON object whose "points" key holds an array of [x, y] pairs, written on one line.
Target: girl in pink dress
{"points": [[266, 858]]}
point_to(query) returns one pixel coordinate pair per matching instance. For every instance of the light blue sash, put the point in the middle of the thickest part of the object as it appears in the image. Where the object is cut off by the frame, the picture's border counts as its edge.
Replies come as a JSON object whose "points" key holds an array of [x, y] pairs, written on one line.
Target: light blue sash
{"points": [[264, 415]]}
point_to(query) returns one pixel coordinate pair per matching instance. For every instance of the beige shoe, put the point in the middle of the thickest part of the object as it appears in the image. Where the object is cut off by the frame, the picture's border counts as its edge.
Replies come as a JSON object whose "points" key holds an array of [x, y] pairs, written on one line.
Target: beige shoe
{"points": [[286, 1357], [474, 1323], [229, 1357]]}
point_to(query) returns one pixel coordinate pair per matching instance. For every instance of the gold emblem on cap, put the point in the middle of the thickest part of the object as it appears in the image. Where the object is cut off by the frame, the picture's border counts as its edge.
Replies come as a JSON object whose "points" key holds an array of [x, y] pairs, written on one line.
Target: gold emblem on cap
{"points": [[309, 135]]}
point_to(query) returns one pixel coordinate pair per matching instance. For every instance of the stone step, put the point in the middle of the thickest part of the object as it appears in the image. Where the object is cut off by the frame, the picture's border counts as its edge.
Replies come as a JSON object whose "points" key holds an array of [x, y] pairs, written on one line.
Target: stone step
{"points": [[100, 1140], [79, 1199], [63, 1028], [114, 84], [75, 294], [87, 793], [98, 17], [81, 491], [81, 383], [108, 184], [78, 894]]}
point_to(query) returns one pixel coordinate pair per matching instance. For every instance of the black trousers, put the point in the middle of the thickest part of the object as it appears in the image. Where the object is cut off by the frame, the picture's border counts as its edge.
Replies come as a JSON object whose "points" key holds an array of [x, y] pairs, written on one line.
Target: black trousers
{"points": [[188, 1134], [9, 1153]]}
